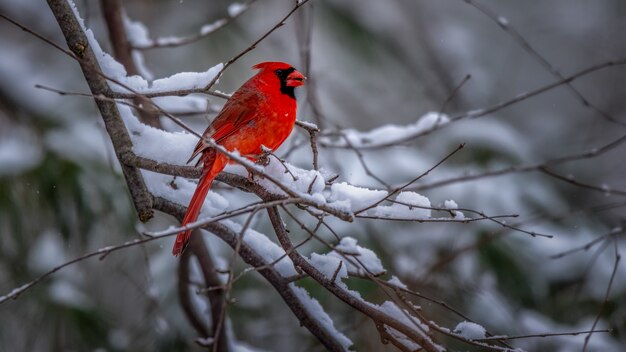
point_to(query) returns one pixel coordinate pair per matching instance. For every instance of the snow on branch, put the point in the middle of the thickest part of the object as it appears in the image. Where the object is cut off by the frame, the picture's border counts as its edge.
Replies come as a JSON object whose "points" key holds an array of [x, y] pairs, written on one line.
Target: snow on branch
{"points": [[140, 40], [388, 134]]}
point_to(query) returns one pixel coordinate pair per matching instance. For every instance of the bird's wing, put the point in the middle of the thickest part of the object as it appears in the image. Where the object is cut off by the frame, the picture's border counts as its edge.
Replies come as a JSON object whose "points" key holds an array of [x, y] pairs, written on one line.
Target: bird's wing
{"points": [[240, 109]]}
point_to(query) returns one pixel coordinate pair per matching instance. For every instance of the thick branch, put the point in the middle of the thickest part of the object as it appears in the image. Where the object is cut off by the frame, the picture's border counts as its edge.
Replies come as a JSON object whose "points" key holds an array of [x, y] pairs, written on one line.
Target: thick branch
{"points": [[78, 44]]}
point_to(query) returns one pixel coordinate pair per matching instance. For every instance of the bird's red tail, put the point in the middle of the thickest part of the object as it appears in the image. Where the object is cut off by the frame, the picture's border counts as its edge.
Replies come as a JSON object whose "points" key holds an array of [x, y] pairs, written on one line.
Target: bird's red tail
{"points": [[214, 167]]}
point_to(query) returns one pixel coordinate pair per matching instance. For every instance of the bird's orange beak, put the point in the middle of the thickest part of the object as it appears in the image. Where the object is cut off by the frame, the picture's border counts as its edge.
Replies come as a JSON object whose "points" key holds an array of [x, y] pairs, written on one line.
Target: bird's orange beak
{"points": [[295, 79]]}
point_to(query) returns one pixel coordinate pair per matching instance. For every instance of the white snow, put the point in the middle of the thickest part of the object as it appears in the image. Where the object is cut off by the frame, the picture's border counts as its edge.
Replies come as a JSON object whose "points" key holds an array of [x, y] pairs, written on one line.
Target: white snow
{"points": [[149, 142], [185, 80], [115, 70], [352, 197], [235, 9], [211, 27], [307, 124], [180, 190], [361, 257], [328, 265], [391, 133], [187, 103], [136, 32], [470, 331], [402, 211], [305, 179], [263, 246], [317, 311], [450, 204], [396, 282]]}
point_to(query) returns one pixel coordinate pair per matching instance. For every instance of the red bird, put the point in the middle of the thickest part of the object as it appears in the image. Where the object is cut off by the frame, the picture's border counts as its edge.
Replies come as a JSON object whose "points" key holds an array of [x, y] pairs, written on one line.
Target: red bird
{"points": [[262, 112]]}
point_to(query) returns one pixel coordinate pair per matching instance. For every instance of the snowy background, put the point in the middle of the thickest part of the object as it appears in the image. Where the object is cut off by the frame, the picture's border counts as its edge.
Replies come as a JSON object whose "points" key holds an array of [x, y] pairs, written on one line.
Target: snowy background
{"points": [[380, 72]]}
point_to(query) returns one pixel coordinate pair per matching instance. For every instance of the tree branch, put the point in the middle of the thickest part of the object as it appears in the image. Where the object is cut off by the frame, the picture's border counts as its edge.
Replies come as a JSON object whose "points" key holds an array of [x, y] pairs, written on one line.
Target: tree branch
{"points": [[78, 44]]}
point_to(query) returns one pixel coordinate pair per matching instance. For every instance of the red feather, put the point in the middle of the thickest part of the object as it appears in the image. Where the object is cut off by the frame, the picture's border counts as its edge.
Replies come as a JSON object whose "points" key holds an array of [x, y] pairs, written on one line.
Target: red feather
{"points": [[260, 113]]}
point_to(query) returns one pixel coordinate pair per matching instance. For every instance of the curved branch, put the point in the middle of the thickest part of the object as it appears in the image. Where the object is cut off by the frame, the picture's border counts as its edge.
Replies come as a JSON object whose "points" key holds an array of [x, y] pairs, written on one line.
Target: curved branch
{"points": [[283, 237]]}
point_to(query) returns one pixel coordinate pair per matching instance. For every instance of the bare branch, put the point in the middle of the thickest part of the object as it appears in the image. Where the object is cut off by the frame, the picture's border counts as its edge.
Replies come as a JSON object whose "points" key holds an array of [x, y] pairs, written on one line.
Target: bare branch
{"points": [[403, 187], [205, 31], [618, 257], [489, 110], [575, 333], [506, 26], [528, 167], [280, 23]]}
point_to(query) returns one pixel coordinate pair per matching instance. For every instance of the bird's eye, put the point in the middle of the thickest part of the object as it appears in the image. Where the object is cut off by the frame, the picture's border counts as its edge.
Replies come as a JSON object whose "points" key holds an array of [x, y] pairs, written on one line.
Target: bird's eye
{"points": [[279, 72]]}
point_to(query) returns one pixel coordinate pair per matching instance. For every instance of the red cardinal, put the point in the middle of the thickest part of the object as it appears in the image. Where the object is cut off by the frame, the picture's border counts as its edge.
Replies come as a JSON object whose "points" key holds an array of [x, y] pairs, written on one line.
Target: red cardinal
{"points": [[262, 112]]}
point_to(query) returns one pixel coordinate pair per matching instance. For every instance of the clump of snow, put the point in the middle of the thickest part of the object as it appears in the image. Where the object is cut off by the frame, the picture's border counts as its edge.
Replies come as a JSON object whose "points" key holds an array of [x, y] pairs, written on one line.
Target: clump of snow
{"points": [[235, 9], [184, 80], [208, 28], [306, 180], [19, 151], [329, 265], [470, 331], [156, 144], [136, 32], [410, 207], [362, 258], [450, 204], [354, 198], [396, 282], [391, 133]]}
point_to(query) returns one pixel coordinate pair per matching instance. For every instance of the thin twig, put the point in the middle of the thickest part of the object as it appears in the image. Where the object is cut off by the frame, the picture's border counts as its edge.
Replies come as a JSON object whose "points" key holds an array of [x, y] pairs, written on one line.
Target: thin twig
{"points": [[551, 334], [591, 153], [280, 23], [508, 28], [605, 302], [489, 110], [401, 188], [205, 31]]}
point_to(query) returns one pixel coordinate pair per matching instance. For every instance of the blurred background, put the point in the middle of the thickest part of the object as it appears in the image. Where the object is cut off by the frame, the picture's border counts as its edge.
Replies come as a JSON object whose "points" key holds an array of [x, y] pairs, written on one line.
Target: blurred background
{"points": [[370, 63]]}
